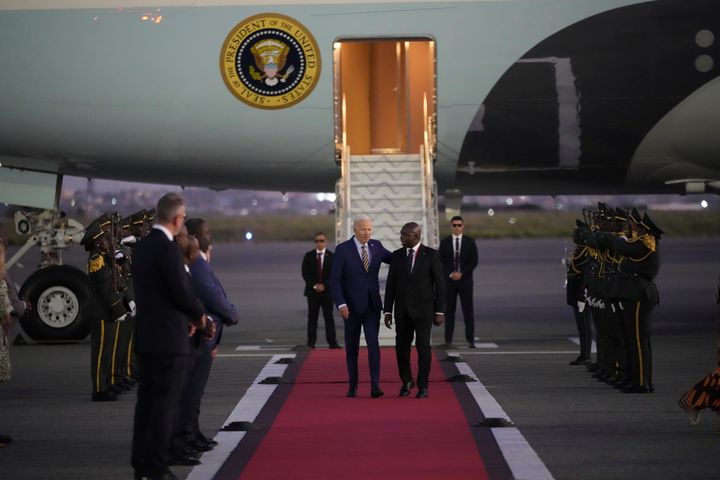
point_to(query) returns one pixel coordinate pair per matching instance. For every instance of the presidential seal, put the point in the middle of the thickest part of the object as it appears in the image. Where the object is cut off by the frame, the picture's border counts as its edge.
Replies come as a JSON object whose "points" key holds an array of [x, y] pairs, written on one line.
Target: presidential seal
{"points": [[270, 61]]}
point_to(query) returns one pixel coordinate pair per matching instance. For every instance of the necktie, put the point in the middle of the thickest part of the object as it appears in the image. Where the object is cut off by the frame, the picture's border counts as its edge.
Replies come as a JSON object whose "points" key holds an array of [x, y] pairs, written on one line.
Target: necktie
{"points": [[409, 259], [319, 268], [365, 259], [457, 254]]}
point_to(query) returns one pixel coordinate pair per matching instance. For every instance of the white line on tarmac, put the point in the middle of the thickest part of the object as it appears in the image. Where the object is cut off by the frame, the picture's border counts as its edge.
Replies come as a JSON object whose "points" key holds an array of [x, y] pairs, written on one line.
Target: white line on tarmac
{"points": [[246, 410], [524, 463]]}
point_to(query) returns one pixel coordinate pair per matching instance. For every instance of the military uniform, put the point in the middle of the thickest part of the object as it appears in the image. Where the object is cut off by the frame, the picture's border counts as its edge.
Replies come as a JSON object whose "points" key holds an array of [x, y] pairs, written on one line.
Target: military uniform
{"points": [[103, 307], [577, 263], [637, 295]]}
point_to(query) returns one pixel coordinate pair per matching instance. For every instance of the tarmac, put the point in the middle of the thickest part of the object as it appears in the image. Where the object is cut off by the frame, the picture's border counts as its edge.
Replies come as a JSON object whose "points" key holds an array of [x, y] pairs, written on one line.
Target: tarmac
{"points": [[578, 427]]}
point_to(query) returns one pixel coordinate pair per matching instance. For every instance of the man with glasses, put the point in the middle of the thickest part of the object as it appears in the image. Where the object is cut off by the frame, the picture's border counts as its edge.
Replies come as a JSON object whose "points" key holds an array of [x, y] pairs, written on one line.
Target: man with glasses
{"points": [[459, 256], [316, 268]]}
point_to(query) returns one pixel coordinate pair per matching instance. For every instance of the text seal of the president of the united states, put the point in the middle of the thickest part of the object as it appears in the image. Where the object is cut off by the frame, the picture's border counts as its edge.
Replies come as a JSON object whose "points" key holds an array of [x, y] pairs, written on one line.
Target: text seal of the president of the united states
{"points": [[270, 61]]}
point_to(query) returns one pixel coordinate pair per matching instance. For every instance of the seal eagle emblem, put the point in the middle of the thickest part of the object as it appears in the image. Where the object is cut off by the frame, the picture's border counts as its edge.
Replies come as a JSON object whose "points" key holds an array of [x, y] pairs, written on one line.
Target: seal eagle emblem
{"points": [[270, 61]]}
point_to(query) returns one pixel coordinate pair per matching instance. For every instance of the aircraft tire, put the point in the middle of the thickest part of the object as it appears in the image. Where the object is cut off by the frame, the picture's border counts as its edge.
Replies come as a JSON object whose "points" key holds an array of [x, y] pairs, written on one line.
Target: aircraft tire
{"points": [[57, 294]]}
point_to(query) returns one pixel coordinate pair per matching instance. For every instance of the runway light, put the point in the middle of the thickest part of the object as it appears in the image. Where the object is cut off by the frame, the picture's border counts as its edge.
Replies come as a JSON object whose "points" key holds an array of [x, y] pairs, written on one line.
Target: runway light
{"points": [[313, 212], [511, 220], [248, 236], [114, 201], [254, 202], [508, 201], [704, 204], [491, 212]]}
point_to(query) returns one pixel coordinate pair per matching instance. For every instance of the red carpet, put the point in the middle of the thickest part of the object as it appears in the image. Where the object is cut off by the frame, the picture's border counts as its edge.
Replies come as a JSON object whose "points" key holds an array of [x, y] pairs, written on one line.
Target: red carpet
{"points": [[321, 434]]}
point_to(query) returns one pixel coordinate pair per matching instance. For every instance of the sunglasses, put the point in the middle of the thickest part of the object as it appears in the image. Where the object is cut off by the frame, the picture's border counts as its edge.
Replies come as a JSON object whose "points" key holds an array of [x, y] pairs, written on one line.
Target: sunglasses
{"points": [[457, 224], [319, 241]]}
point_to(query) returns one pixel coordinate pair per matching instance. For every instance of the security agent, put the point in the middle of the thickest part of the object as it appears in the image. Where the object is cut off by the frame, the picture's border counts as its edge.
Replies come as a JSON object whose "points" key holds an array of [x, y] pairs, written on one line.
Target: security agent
{"points": [[459, 256], [315, 269]]}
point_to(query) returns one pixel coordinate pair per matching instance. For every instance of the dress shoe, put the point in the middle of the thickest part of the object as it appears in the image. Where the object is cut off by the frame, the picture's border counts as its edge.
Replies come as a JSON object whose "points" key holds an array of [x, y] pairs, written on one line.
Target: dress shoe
{"points": [[471, 345], [104, 397], [375, 392], [422, 393], [200, 446], [334, 346], [593, 367], [183, 460], [405, 389], [636, 389], [351, 393], [185, 451], [311, 345], [580, 360], [204, 439], [165, 476]]}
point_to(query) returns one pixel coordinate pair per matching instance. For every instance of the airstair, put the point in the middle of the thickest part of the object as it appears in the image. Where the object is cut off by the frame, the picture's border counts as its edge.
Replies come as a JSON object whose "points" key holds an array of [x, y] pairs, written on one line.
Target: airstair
{"points": [[392, 189]]}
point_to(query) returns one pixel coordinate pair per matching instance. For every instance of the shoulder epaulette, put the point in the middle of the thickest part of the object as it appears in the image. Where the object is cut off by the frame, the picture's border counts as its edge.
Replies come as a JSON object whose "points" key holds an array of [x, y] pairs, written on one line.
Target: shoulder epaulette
{"points": [[95, 263]]}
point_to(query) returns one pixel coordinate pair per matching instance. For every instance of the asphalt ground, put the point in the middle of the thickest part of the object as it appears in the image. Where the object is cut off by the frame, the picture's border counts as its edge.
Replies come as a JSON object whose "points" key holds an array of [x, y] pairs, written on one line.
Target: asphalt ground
{"points": [[581, 429]]}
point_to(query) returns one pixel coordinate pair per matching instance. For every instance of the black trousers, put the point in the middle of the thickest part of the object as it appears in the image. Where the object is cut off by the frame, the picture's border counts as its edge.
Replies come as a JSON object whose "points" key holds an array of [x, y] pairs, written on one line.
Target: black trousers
{"points": [[123, 361], [582, 321], [161, 381], [406, 328], [463, 288], [102, 353], [636, 316], [317, 301], [187, 425]]}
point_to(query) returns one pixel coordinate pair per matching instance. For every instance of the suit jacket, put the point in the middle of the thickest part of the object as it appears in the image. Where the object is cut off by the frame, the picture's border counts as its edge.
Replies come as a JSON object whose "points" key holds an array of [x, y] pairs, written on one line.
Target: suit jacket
{"points": [[468, 256], [419, 294], [213, 297], [310, 273], [164, 297], [350, 284]]}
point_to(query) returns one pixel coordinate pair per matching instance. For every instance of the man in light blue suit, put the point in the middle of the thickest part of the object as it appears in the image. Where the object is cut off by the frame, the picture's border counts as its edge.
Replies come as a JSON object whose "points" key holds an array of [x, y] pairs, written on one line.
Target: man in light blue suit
{"points": [[356, 294]]}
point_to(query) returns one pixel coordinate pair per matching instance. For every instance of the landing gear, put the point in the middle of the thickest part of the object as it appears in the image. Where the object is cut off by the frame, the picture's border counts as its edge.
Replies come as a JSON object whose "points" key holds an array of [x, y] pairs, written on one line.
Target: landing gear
{"points": [[57, 294]]}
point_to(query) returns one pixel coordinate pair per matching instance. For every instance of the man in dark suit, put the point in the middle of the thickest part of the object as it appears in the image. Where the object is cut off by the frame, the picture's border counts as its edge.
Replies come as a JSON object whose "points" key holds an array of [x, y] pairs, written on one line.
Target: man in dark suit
{"points": [[355, 291], [223, 312], [316, 268], [459, 256], [168, 311], [415, 287]]}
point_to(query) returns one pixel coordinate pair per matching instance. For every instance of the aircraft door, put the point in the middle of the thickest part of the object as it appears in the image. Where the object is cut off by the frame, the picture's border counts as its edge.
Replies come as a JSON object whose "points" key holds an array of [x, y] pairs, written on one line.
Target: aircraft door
{"points": [[382, 84]]}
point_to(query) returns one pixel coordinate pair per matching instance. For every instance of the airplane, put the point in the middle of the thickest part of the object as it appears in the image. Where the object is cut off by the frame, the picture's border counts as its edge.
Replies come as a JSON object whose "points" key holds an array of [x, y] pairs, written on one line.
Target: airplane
{"points": [[502, 96]]}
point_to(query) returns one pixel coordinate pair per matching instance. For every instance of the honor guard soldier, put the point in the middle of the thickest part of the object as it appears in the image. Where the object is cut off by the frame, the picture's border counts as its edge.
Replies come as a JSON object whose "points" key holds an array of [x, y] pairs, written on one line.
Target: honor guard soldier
{"points": [[576, 263], [125, 240], [634, 287], [103, 307]]}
